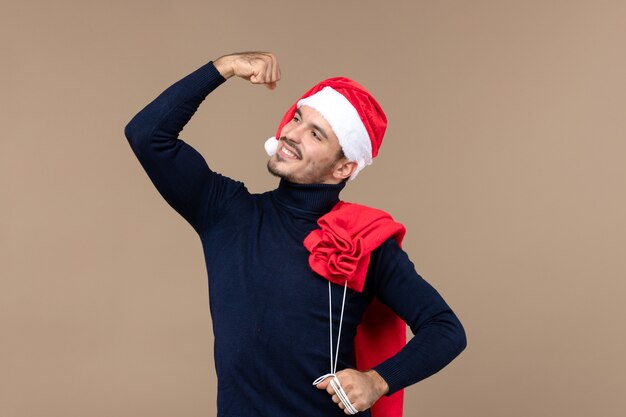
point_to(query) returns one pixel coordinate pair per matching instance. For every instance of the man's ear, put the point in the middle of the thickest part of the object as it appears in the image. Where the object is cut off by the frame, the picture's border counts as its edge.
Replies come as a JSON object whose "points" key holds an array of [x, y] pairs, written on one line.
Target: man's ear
{"points": [[344, 169]]}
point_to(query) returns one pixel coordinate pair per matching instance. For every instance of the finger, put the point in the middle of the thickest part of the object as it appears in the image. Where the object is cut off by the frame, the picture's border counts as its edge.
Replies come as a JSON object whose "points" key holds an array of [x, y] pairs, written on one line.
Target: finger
{"points": [[258, 78], [273, 71], [275, 76], [323, 384], [272, 85], [259, 68], [254, 78], [330, 390], [345, 380], [269, 69], [336, 400]]}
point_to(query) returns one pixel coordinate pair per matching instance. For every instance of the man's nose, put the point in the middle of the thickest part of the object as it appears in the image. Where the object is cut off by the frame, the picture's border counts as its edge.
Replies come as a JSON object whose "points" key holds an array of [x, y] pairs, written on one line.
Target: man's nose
{"points": [[295, 134]]}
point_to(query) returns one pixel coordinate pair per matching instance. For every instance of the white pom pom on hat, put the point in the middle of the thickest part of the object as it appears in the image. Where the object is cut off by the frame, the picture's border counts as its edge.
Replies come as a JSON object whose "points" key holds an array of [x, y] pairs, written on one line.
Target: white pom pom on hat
{"points": [[271, 146], [354, 115]]}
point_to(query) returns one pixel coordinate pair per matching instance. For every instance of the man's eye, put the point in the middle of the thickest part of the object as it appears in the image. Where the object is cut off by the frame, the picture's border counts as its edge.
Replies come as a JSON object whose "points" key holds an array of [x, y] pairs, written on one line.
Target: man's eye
{"points": [[315, 135]]}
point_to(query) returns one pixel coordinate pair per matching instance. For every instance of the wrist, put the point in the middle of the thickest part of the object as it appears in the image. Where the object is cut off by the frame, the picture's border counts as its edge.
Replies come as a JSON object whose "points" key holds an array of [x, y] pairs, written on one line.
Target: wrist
{"points": [[224, 65], [379, 382]]}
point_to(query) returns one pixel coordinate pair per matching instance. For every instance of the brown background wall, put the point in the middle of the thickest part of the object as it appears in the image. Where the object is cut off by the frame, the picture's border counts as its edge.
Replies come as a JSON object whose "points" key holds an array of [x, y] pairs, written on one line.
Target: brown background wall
{"points": [[504, 158]]}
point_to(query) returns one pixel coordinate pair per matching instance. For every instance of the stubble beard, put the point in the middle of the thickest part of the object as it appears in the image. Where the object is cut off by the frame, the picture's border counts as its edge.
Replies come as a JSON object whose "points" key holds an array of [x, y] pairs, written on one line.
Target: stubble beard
{"points": [[314, 176]]}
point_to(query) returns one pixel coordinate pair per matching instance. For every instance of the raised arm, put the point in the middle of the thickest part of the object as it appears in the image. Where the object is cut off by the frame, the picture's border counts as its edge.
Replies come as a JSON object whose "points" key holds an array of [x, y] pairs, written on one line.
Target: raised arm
{"points": [[178, 171], [256, 67]]}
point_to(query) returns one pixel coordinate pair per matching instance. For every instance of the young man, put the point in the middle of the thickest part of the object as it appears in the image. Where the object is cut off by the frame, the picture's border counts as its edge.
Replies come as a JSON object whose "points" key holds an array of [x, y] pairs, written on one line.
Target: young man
{"points": [[271, 257]]}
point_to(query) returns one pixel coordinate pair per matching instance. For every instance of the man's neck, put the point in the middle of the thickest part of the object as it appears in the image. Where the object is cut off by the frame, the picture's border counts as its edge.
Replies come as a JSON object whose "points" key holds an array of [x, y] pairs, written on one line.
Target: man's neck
{"points": [[314, 198]]}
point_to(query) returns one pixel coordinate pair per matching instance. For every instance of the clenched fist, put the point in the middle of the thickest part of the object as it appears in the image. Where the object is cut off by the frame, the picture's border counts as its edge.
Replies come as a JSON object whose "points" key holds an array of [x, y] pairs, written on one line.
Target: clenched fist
{"points": [[362, 388], [256, 67]]}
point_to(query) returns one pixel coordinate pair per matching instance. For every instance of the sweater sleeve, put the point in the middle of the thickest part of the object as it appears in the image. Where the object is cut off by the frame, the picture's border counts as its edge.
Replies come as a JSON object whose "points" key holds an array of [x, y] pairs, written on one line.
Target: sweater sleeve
{"points": [[178, 171], [438, 334]]}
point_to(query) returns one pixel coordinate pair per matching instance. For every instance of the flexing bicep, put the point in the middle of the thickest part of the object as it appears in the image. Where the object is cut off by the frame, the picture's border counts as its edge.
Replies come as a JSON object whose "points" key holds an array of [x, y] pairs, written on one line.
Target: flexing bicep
{"points": [[183, 178], [177, 170]]}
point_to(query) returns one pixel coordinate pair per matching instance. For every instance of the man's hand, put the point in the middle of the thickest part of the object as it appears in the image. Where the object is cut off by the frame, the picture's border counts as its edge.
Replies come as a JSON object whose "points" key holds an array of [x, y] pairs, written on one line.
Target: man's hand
{"points": [[362, 388], [256, 67]]}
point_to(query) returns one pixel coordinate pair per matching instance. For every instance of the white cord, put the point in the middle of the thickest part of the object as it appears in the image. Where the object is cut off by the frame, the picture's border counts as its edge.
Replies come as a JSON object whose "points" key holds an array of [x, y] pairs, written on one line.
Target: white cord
{"points": [[330, 317], [333, 363], [342, 395], [343, 304]]}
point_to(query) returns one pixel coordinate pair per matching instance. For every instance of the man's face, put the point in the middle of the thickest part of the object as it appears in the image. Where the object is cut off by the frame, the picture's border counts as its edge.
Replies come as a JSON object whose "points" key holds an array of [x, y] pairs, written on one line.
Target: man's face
{"points": [[308, 150]]}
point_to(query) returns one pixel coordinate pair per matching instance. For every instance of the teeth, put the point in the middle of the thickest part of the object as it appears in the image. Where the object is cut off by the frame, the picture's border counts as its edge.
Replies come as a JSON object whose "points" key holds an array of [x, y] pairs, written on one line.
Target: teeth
{"points": [[288, 152]]}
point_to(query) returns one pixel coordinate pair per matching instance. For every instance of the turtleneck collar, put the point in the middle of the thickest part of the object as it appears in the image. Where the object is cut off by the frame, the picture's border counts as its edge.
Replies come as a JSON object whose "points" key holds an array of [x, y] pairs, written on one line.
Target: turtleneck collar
{"points": [[313, 198]]}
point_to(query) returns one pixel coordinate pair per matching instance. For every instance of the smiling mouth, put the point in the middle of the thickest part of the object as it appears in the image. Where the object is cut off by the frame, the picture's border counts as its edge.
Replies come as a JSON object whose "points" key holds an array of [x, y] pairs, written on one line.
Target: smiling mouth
{"points": [[289, 150]]}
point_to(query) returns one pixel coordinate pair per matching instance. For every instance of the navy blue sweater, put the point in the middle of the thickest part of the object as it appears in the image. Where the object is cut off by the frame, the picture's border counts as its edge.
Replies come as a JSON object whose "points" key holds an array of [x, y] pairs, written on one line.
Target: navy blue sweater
{"points": [[269, 309]]}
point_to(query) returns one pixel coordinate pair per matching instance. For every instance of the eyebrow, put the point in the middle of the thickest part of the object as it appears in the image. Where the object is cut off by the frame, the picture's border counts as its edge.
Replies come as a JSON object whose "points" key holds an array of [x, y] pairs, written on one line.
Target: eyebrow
{"points": [[316, 127]]}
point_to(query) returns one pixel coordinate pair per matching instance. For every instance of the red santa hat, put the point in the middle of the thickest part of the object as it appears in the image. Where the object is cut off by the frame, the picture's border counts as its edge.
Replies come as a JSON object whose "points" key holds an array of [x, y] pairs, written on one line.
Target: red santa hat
{"points": [[354, 115]]}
